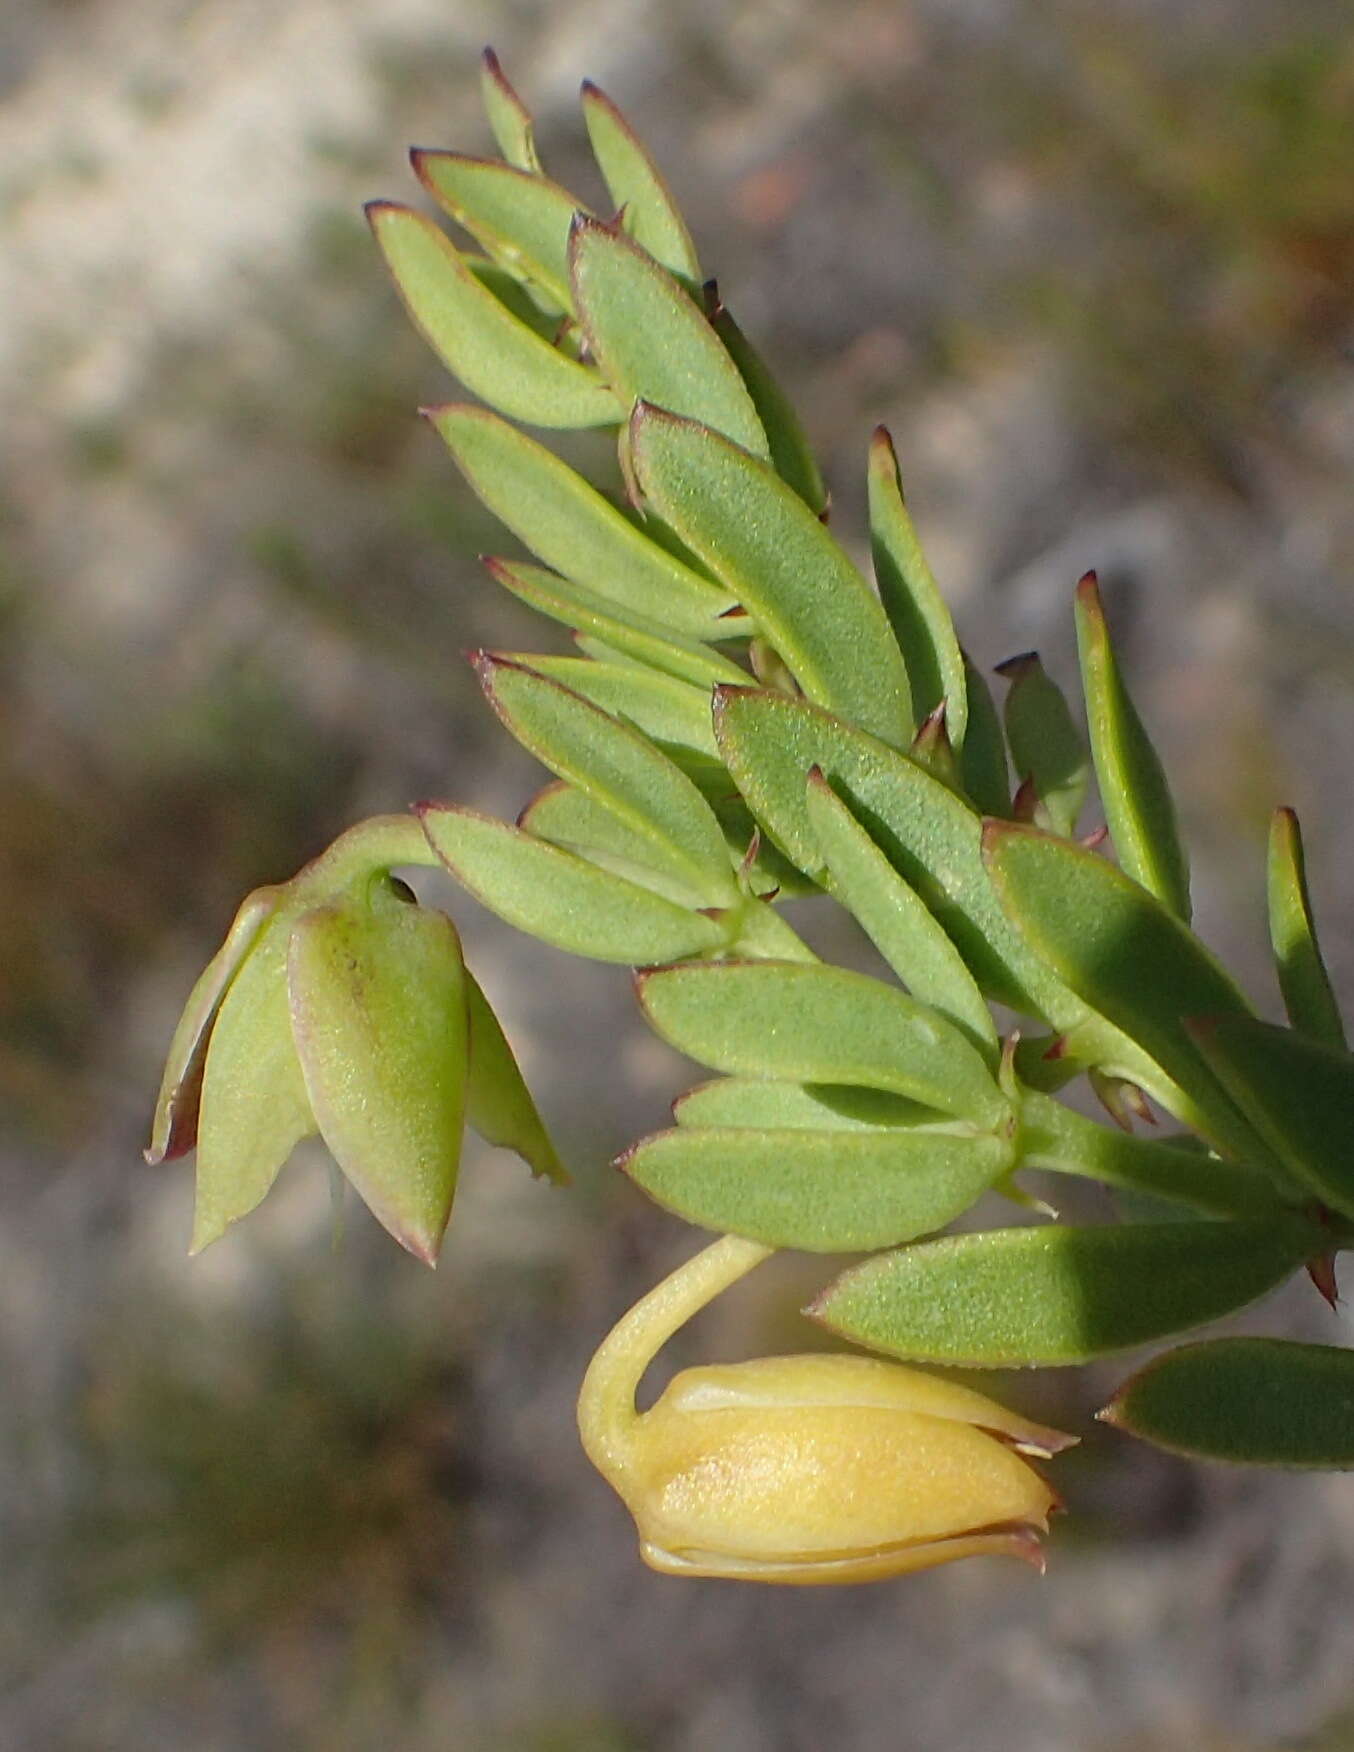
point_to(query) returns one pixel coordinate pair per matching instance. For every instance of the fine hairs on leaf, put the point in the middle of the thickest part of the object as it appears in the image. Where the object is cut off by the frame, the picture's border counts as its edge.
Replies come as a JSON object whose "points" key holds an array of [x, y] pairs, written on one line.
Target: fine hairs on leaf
{"points": [[746, 717]]}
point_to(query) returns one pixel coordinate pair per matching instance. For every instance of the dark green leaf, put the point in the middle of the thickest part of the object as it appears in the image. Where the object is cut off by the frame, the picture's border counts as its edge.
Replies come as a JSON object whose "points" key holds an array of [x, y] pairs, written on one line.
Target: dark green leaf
{"points": [[761, 1101], [497, 1101], [822, 1025], [1050, 755], [1133, 789], [761, 539], [895, 918], [983, 766], [1298, 1093], [573, 529], [1261, 1401], [827, 1192], [477, 337], [921, 621], [1303, 979], [557, 896], [1016, 1298], [1132, 960], [791, 455]]}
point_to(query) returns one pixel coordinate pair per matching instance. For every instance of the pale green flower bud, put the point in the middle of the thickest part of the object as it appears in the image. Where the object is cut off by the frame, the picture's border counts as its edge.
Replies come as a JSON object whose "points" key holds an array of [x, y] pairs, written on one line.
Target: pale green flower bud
{"points": [[805, 1469], [337, 1004]]}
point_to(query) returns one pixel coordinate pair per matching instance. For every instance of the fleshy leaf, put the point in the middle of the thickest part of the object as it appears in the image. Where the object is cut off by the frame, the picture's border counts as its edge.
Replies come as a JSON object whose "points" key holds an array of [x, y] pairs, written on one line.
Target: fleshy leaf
{"points": [[791, 455], [1055, 1138], [930, 836], [508, 116], [1016, 1298], [916, 610], [497, 1101], [510, 291], [1303, 979], [983, 765], [824, 1191], [567, 818], [1257, 1401], [822, 1025], [478, 338], [1050, 755], [618, 768], [1298, 1093], [895, 919], [637, 186], [1131, 959], [758, 535], [573, 529], [633, 635], [561, 898], [174, 1128], [763, 1101], [672, 714], [1133, 788], [519, 218], [379, 1016], [255, 1108], [651, 340]]}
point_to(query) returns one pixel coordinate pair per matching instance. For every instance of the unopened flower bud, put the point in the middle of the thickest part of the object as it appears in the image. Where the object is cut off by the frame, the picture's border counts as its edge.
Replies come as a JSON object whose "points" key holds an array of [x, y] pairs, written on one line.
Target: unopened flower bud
{"points": [[805, 1469]]}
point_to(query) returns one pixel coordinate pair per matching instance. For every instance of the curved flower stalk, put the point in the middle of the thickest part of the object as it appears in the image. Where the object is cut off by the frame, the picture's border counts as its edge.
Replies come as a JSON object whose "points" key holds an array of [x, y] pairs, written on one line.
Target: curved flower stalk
{"points": [[804, 1469], [338, 1005]]}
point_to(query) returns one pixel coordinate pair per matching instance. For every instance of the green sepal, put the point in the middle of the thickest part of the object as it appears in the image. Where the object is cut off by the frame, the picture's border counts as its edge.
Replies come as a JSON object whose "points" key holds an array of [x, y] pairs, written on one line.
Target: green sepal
{"points": [[633, 636], [561, 898], [1303, 980], [895, 918], [497, 1101], [1051, 759], [823, 1191], [574, 530], [255, 1109], [777, 559], [1298, 1093], [648, 212], [780, 1105], [1132, 961], [617, 767], [174, 1127], [823, 1025], [509, 117], [650, 339], [496, 355], [916, 609], [791, 455], [931, 837], [377, 995], [672, 714], [1021, 1298], [982, 762], [1134, 793], [1254, 1401], [519, 218]]}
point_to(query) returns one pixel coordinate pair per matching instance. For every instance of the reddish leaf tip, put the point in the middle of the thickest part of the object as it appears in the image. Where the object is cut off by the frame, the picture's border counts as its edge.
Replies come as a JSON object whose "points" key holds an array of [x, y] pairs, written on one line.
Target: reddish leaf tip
{"points": [[1322, 1273]]}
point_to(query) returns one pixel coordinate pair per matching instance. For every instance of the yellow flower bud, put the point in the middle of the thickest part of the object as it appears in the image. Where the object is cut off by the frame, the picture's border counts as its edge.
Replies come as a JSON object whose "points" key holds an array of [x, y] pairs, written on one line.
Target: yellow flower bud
{"points": [[805, 1469]]}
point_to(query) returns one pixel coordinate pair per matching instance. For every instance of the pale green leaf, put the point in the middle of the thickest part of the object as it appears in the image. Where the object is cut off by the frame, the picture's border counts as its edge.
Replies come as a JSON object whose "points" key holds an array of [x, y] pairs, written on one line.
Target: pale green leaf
{"points": [[636, 185], [559, 897], [497, 356], [822, 1025], [573, 529], [1052, 763], [823, 1191], [764, 1101], [671, 713], [497, 1101], [651, 340], [761, 539], [983, 765], [508, 116], [518, 218]]}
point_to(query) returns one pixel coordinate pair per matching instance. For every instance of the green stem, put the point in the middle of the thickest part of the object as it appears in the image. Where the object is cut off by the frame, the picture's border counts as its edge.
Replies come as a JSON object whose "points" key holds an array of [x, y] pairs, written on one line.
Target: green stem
{"points": [[606, 1400], [1056, 1138]]}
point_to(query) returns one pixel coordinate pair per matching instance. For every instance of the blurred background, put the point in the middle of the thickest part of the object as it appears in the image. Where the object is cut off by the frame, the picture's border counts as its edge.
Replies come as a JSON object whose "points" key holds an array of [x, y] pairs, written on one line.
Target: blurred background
{"points": [[1093, 261]]}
